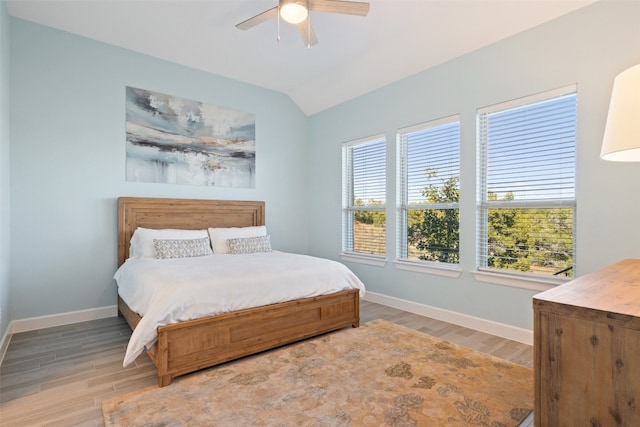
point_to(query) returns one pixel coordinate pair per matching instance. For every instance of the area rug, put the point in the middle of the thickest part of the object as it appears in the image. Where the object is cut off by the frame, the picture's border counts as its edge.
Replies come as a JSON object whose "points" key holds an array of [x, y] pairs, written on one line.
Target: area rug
{"points": [[376, 375]]}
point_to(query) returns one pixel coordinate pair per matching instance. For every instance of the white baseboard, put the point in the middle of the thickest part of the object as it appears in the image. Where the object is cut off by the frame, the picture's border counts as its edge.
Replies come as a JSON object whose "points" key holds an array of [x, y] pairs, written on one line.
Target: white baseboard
{"points": [[4, 343], [502, 330], [42, 322]]}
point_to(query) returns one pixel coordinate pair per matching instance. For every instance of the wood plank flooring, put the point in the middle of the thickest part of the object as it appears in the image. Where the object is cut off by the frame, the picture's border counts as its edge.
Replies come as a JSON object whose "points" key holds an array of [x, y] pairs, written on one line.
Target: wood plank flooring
{"points": [[60, 376]]}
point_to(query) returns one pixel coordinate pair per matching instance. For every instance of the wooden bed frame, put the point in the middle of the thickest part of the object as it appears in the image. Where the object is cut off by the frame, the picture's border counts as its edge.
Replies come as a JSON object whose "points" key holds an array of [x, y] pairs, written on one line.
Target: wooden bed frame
{"points": [[189, 346]]}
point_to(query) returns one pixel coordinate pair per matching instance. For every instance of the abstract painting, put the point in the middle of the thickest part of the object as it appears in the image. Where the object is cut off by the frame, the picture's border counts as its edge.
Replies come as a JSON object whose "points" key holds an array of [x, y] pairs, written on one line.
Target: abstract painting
{"points": [[173, 140]]}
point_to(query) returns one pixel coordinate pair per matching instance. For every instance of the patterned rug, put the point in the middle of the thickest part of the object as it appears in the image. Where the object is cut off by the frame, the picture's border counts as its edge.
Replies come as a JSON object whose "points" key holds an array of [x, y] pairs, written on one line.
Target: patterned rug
{"points": [[376, 375]]}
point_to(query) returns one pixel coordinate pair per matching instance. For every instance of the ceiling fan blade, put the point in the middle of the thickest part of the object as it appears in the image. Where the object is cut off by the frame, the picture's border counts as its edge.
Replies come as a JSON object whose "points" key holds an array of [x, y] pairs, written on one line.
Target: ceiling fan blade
{"points": [[339, 6], [258, 19], [306, 32]]}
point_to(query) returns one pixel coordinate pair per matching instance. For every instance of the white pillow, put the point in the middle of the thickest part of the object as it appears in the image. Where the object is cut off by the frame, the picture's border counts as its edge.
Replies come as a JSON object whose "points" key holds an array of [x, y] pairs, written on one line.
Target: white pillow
{"points": [[142, 239], [219, 236]]}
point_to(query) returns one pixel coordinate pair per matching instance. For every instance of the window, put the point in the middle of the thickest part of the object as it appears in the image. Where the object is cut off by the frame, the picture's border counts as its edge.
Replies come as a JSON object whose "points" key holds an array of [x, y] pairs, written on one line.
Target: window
{"points": [[429, 192], [364, 197], [526, 185]]}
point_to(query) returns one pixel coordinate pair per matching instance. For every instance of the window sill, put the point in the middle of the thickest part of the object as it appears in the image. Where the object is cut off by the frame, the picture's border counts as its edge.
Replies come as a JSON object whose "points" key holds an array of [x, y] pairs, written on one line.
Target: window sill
{"points": [[518, 281], [446, 270], [364, 259]]}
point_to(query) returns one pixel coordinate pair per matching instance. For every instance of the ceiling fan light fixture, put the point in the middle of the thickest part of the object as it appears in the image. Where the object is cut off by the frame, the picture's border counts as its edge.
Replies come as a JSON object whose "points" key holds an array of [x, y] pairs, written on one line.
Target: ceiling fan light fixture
{"points": [[297, 12], [294, 12]]}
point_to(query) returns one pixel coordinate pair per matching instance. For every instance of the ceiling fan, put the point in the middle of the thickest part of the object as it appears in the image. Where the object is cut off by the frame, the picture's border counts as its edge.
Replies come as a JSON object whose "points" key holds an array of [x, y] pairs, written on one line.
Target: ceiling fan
{"points": [[297, 12]]}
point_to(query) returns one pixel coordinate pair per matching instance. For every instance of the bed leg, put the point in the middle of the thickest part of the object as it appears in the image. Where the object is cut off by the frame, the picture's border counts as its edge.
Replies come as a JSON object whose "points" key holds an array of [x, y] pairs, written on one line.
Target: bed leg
{"points": [[356, 310], [162, 359], [164, 380]]}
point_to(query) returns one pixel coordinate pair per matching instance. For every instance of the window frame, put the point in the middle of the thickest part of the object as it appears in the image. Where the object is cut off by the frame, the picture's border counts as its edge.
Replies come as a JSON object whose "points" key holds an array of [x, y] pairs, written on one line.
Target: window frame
{"points": [[348, 252], [404, 206], [484, 273]]}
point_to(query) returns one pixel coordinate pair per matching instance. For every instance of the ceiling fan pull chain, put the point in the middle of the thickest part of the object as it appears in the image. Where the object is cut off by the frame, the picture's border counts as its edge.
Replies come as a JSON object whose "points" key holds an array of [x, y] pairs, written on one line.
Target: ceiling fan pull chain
{"points": [[309, 32], [278, 23]]}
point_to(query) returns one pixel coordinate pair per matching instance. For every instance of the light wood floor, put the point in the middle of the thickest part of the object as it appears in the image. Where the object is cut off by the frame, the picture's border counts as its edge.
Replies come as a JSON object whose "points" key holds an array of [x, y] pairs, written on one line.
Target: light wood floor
{"points": [[60, 376]]}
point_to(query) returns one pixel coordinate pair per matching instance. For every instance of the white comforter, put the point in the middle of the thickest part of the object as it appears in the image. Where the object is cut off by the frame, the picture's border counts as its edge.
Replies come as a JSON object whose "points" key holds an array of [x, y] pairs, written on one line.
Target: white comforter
{"points": [[166, 291]]}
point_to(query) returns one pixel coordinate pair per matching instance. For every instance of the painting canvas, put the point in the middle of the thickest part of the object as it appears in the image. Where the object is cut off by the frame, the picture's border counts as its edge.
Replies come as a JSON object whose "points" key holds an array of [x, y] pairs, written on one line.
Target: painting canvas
{"points": [[178, 141]]}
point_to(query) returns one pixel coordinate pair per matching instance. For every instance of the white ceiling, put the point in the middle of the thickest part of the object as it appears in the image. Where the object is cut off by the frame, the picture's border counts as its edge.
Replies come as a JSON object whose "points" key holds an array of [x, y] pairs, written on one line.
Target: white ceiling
{"points": [[355, 55]]}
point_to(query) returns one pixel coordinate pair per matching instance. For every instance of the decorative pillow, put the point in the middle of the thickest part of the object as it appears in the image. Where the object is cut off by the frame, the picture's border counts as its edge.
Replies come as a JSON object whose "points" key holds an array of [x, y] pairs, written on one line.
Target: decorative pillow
{"points": [[170, 248], [219, 236], [250, 245], [142, 239]]}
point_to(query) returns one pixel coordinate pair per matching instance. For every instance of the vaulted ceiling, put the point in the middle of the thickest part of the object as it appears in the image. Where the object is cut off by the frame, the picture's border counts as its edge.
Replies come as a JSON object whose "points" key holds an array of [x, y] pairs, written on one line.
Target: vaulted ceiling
{"points": [[355, 55]]}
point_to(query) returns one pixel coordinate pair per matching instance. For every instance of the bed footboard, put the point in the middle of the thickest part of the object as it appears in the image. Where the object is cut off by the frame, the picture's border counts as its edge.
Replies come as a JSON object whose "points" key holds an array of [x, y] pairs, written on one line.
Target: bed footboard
{"points": [[189, 346]]}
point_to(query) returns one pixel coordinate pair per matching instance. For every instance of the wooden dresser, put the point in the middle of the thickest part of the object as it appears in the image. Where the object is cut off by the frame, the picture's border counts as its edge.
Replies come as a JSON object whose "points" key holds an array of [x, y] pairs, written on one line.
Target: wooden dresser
{"points": [[587, 350]]}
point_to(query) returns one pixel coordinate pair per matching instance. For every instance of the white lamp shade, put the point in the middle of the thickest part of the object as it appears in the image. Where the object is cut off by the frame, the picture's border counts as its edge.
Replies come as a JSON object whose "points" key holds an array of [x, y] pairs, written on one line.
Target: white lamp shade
{"points": [[293, 12], [622, 133]]}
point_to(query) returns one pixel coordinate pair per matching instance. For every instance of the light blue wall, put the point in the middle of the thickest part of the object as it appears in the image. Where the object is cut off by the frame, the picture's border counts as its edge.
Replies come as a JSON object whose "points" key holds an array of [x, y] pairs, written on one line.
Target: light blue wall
{"points": [[68, 162], [4, 169], [588, 47]]}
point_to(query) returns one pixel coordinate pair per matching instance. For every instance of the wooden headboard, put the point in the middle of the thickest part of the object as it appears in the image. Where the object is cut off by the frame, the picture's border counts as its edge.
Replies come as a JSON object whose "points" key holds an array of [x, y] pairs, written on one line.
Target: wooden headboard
{"points": [[188, 214]]}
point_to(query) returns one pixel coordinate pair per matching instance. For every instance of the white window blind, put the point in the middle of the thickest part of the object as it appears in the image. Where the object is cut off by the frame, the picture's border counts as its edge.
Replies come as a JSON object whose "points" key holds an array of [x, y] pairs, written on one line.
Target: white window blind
{"points": [[526, 184], [429, 191], [364, 197]]}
